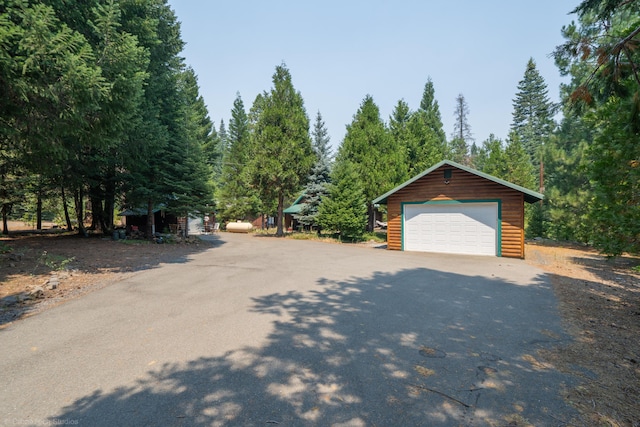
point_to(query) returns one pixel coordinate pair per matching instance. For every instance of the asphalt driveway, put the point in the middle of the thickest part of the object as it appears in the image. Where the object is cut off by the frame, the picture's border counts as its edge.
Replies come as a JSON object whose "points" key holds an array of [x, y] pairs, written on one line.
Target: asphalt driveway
{"points": [[260, 331]]}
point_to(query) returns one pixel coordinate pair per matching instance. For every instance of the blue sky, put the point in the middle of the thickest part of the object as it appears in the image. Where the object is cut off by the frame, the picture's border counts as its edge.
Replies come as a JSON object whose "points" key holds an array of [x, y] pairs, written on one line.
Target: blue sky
{"points": [[340, 51]]}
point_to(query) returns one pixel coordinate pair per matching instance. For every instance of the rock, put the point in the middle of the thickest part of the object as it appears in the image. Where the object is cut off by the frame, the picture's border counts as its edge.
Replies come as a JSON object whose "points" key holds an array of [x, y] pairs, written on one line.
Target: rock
{"points": [[12, 264], [53, 284], [37, 292]]}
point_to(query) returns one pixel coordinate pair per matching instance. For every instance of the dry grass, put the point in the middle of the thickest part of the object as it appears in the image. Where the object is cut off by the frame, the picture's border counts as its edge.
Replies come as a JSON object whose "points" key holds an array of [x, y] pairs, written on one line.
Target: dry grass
{"points": [[600, 304]]}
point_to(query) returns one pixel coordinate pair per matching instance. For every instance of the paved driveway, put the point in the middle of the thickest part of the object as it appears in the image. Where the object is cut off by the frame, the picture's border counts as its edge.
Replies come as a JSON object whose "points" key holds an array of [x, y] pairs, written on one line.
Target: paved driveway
{"points": [[260, 331]]}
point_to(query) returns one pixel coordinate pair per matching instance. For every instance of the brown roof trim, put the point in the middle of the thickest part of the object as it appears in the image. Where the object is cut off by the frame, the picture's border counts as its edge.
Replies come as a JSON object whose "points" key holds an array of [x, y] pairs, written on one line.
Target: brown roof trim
{"points": [[530, 196]]}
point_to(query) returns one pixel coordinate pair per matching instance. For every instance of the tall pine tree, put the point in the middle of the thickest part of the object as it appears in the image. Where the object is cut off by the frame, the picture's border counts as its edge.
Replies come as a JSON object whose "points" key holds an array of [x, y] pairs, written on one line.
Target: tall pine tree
{"points": [[237, 199], [377, 159], [344, 210], [533, 113], [461, 137], [320, 176], [431, 117], [281, 155]]}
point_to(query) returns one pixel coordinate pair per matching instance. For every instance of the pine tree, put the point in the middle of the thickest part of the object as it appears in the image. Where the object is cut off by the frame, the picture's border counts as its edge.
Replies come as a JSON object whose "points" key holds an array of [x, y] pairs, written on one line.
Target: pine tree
{"points": [[518, 168], [223, 135], [237, 200], [193, 188], [156, 141], [345, 209], [532, 113], [378, 160], [321, 140], [598, 159], [319, 179], [568, 189], [491, 158], [432, 118], [401, 132], [281, 155], [461, 137]]}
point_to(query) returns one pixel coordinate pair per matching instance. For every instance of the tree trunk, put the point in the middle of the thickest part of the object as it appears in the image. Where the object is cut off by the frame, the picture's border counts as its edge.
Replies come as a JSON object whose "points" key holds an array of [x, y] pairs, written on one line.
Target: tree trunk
{"points": [[150, 220], [108, 217], [66, 209], [109, 202], [6, 209], [372, 216], [280, 231], [96, 210], [39, 210], [78, 199]]}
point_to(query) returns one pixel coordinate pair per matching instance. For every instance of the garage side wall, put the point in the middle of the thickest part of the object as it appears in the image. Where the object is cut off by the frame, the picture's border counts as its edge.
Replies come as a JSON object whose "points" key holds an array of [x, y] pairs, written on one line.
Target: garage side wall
{"points": [[462, 186]]}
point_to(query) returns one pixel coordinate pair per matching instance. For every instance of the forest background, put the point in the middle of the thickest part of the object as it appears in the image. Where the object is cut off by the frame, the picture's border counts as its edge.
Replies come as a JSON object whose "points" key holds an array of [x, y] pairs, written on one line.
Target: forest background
{"points": [[99, 106]]}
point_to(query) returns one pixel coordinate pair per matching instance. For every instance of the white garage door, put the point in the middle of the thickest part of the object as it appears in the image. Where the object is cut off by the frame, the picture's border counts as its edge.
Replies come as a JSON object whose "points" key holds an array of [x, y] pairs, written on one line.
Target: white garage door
{"points": [[460, 228]]}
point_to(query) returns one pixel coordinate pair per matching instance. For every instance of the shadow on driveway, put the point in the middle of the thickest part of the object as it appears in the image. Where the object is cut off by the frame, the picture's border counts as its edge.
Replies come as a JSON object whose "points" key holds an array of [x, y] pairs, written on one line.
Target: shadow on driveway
{"points": [[417, 347]]}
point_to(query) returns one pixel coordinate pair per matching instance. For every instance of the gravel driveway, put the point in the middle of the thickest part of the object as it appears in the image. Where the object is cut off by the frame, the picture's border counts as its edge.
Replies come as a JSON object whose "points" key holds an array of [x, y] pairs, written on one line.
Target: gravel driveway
{"points": [[260, 331]]}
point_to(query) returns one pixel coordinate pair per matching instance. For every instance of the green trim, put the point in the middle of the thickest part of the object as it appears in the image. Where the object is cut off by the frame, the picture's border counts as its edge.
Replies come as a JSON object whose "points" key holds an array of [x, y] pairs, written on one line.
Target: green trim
{"points": [[452, 202], [530, 196]]}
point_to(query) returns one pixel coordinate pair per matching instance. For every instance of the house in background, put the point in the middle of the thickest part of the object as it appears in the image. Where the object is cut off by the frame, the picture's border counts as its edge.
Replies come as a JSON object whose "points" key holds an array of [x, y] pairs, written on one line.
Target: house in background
{"points": [[136, 219], [451, 208], [290, 221]]}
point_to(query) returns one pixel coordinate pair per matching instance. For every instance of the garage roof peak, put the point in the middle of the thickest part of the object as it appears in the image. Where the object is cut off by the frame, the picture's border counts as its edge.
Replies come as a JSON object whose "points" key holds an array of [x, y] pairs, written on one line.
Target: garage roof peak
{"points": [[530, 196]]}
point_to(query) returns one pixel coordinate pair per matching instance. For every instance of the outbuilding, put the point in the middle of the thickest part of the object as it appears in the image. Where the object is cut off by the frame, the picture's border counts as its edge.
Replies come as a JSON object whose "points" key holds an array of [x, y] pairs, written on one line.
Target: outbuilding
{"points": [[451, 208]]}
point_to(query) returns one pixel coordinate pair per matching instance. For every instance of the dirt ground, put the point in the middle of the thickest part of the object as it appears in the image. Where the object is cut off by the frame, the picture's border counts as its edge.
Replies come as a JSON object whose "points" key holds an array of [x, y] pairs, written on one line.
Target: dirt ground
{"points": [[599, 301], [600, 305], [40, 270]]}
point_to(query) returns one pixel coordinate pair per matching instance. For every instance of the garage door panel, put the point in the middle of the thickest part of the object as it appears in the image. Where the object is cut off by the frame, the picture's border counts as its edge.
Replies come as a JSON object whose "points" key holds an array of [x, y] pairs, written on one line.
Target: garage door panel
{"points": [[465, 228]]}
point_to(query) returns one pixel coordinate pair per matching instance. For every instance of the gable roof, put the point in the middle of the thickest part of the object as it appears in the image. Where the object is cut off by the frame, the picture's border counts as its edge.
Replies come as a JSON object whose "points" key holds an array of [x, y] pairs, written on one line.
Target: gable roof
{"points": [[295, 207], [530, 196]]}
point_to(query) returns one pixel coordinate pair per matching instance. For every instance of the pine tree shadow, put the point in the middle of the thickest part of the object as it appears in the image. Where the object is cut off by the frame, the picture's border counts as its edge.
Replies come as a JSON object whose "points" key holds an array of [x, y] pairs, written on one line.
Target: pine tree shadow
{"points": [[416, 347]]}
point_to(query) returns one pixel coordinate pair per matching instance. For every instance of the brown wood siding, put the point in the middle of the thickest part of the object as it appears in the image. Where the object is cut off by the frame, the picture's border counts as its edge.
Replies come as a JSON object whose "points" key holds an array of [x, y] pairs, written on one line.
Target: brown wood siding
{"points": [[462, 186]]}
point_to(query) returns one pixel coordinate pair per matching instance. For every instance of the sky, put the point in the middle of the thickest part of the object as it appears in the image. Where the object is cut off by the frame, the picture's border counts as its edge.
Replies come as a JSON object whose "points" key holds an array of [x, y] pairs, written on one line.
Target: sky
{"points": [[340, 51]]}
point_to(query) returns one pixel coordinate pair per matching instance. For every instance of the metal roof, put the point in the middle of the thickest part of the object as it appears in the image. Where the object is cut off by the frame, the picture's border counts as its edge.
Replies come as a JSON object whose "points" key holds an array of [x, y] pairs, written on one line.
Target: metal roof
{"points": [[136, 212], [530, 196], [295, 207]]}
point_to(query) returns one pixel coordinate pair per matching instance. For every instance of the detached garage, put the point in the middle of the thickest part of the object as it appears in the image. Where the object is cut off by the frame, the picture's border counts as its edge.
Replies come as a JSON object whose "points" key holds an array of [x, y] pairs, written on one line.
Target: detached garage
{"points": [[451, 208]]}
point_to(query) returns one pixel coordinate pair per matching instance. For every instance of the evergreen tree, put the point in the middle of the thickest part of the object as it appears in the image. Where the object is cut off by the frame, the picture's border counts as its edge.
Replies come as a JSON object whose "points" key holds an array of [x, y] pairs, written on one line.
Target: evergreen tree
{"points": [[432, 118], [600, 57], [378, 160], [568, 188], [614, 170], [461, 137], [491, 158], [223, 135], [319, 179], [213, 152], [156, 142], [345, 208], [321, 139], [532, 113], [601, 47], [238, 200], [51, 87], [401, 131], [505, 161], [97, 89], [416, 137], [518, 168], [281, 155], [123, 63], [193, 189], [430, 148]]}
